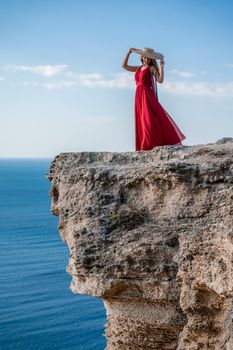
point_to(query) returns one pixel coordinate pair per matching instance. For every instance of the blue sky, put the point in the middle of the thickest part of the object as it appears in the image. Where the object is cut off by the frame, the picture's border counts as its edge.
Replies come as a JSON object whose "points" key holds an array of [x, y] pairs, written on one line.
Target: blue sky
{"points": [[63, 89]]}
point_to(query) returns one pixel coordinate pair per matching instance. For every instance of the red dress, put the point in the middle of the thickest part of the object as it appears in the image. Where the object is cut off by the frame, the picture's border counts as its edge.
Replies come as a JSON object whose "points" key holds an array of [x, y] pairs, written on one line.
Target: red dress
{"points": [[153, 125]]}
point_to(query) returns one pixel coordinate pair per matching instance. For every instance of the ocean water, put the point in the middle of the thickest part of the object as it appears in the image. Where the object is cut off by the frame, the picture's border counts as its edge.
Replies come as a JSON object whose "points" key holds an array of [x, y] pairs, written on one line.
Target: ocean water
{"points": [[37, 309]]}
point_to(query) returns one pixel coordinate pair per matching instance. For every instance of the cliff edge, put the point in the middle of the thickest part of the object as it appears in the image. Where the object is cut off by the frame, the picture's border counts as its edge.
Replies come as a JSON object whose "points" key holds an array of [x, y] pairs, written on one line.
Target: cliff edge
{"points": [[151, 233]]}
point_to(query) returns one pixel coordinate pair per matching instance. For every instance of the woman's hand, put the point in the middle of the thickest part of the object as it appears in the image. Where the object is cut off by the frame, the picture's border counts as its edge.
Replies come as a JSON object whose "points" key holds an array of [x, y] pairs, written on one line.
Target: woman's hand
{"points": [[131, 50], [162, 63], [160, 77], [125, 62]]}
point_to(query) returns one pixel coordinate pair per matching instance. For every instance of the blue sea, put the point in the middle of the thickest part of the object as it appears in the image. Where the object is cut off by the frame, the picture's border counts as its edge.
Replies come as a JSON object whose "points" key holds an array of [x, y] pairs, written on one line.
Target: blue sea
{"points": [[37, 309]]}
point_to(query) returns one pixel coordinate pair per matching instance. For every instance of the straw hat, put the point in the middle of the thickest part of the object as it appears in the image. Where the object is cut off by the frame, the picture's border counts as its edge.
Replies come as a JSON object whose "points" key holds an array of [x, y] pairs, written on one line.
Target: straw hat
{"points": [[149, 53]]}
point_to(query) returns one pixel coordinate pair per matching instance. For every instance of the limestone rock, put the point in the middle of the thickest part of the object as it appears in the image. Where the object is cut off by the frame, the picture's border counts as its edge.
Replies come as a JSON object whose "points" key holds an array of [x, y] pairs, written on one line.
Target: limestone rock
{"points": [[151, 234]]}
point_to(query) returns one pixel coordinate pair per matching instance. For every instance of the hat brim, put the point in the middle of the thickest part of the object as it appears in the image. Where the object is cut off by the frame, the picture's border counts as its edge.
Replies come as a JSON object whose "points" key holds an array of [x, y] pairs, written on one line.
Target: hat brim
{"points": [[154, 55]]}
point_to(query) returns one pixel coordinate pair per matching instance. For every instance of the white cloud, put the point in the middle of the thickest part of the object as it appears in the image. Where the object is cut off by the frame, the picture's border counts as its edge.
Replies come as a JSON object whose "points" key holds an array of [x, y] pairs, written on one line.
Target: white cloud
{"points": [[59, 84], [1, 78], [50, 85], [30, 83], [229, 65], [126, 80], [46, 70], [121, 80], [90, 76], [182, 74], [71, 74], [200, 88]]}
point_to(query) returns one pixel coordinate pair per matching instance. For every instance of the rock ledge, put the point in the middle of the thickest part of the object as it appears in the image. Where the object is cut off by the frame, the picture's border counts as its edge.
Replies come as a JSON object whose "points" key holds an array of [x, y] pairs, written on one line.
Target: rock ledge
{"points": [[151, 234]]}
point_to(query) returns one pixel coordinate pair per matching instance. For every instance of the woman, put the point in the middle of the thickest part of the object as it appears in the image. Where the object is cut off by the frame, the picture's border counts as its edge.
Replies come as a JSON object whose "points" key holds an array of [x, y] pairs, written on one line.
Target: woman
{"points": [[153, 125]]}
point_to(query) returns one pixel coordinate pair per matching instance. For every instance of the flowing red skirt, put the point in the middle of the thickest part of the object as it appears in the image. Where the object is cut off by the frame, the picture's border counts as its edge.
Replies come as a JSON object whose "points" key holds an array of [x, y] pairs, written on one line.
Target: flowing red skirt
{"points": [[153, 125]]}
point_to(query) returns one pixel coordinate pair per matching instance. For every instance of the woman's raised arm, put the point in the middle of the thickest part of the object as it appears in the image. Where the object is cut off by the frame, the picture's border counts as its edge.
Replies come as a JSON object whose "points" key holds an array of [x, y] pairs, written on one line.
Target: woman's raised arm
{"points": [[125, 62], [160, 76]]}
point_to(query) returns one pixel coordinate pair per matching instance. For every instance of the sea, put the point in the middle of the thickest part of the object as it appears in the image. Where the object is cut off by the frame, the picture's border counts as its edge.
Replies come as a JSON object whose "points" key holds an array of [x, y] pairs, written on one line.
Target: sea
{"points": [[37, 309]]}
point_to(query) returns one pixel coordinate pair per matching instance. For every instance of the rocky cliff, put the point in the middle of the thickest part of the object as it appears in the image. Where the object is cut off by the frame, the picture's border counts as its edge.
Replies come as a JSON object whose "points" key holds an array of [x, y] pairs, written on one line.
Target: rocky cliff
{"points": [[151, 234]]}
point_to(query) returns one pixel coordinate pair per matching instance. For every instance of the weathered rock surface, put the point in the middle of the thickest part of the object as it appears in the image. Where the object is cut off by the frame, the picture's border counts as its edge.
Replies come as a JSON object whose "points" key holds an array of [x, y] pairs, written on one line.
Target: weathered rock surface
{"points": [[151, 233]]}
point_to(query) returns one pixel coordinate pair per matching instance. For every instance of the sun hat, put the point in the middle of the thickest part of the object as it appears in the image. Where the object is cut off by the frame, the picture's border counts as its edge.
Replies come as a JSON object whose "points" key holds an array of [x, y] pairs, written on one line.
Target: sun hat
{"points": [[149, 53]]}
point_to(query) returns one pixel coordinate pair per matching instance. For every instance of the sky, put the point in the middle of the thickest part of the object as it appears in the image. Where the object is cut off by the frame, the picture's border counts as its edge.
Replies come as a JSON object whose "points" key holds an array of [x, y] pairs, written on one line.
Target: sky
{"points": [[63, 88]]}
